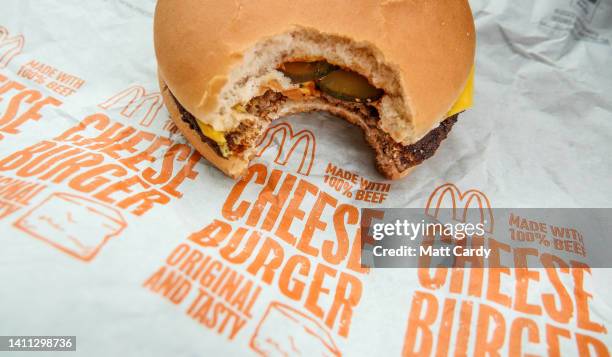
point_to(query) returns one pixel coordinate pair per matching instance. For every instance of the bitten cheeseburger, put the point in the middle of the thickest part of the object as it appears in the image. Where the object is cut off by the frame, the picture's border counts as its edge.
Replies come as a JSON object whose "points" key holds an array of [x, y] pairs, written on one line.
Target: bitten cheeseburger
{"points": [[401, 70]]}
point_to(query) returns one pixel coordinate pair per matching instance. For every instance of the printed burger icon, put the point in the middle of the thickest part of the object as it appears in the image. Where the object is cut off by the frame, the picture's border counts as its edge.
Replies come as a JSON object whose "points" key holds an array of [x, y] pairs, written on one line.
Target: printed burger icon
{"points": [[284, 331], [75, 225]]}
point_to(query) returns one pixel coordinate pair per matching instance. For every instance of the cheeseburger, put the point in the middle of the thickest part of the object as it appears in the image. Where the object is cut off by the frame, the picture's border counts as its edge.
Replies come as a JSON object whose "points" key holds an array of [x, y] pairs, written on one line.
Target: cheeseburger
{"points": [[401, 70]]}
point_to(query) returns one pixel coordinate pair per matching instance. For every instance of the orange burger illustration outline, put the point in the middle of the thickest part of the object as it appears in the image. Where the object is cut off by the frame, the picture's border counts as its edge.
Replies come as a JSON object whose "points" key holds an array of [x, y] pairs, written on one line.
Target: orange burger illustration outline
{"points": [[270, 339], [75, 225], [132, 100], [9, 46], [291, 139]]}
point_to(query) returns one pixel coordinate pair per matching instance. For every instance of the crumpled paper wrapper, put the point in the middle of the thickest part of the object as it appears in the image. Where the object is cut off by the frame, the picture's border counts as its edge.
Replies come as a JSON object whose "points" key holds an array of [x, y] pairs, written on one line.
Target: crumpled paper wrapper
{"points": [[114, 230]]}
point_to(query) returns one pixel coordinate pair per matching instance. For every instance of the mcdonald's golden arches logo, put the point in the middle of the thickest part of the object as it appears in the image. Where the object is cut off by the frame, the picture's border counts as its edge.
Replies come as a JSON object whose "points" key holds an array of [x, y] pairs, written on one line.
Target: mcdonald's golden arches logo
{"points": [[459, 203], [135, 99], [9, 46], [288, 142]]}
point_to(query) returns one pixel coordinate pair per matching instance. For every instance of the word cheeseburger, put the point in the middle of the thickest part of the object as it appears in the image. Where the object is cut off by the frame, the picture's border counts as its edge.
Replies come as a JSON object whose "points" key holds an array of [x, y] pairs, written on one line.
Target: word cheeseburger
{"points": [[291, 235], [111, 162]]}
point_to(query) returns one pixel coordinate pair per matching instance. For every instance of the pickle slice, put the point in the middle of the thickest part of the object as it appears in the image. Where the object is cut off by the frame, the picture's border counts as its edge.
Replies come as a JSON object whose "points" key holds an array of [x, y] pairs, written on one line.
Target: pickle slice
{"points": [[301, 72], [349, 86]]}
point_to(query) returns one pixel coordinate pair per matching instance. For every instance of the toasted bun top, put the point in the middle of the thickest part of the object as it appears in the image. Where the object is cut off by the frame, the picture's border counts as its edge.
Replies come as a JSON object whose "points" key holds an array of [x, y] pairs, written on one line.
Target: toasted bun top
{"points": [[430, 43]]}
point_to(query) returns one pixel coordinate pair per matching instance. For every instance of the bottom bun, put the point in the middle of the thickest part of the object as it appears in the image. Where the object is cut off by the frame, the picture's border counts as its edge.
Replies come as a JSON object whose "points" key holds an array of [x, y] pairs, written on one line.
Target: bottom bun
{"points": [[393, 160]]}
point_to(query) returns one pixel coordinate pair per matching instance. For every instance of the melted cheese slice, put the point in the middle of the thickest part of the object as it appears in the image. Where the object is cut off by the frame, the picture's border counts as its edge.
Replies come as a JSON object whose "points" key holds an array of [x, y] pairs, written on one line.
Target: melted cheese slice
{"points": [[211, 133], [466, 98]]}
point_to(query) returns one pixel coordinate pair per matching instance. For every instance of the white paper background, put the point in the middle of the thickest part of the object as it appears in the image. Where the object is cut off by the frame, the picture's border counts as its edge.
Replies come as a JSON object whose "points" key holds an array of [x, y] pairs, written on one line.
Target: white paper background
{"points": [[539, 135]]}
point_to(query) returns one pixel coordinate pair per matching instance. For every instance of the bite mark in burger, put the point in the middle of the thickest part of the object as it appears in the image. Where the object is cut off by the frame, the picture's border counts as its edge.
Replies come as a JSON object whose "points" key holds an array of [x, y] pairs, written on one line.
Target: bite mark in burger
{"points": [[401, 71]]}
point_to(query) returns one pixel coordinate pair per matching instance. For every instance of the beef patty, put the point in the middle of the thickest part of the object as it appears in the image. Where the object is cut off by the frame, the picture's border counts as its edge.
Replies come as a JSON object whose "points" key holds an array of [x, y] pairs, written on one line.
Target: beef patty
{"points": [[402, 157]]}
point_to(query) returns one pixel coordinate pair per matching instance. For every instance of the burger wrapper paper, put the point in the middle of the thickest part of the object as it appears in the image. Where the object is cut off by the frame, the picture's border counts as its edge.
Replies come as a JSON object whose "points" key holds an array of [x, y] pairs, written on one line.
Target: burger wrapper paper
{"points": [[114, 230]]}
